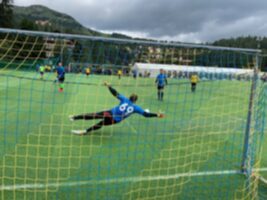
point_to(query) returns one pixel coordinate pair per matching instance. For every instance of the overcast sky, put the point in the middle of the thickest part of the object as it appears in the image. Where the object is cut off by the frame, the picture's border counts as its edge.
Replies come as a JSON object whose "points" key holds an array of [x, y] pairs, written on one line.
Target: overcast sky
{"points": [[179, 20]]}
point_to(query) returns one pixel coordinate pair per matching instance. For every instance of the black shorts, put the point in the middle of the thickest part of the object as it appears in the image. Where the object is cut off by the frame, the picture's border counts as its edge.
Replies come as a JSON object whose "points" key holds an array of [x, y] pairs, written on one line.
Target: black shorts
{"points": [[160, 87], [193, 84], [107, 118], [61, 79], [87, 74], [42, 73]]}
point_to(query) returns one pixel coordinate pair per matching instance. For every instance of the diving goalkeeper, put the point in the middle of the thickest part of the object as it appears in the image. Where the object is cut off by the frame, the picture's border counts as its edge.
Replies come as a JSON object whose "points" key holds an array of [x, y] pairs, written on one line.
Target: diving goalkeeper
{"points": [[115, 115]]}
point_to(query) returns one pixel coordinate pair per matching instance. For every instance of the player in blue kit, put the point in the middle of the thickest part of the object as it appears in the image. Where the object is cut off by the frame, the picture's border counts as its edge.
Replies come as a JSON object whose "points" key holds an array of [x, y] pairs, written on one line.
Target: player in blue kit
{"points": [[115, 115], [161, 81], [60, 76]]}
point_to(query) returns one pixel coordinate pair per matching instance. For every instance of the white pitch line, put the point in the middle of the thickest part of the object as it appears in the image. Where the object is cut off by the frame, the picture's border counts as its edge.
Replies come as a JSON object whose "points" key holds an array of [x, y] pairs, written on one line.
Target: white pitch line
{"points": [[260, 170], [116, 180], [132, 127], [121, 180], [263, 180]]}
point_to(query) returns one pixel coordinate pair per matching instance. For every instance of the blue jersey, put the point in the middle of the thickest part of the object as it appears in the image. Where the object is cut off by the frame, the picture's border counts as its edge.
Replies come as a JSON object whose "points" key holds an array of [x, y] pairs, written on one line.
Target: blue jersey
{"points": [[125, 109], [161, 79], [60, 72]]}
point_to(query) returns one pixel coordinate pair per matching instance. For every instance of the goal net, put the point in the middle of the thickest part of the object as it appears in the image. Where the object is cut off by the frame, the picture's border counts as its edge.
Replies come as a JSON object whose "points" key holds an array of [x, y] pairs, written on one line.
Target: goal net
{"points": [[207, 145]]}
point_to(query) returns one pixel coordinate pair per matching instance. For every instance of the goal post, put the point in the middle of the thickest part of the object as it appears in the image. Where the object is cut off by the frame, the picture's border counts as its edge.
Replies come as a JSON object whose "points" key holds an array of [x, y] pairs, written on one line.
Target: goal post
{"points": [[247, 139], [207, 145]]}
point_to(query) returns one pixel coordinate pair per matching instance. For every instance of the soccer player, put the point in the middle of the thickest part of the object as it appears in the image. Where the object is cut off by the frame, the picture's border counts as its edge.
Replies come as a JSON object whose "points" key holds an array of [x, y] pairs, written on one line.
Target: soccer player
{"points": [[134, 71], [161, 81], [194, 80], [42, 70], [87, 71], [115, 115], [119, 73], [264, 77], [60, 76]]}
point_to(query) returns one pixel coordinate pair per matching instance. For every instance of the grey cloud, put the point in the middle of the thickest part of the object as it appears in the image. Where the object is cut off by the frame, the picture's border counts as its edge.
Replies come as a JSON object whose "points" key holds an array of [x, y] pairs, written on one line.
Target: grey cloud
{"points": [[203, 20]]}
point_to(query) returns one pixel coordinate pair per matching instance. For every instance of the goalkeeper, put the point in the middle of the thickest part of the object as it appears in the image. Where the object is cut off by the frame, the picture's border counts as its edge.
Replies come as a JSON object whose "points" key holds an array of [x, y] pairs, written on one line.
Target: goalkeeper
{"points": [[114, 115]]}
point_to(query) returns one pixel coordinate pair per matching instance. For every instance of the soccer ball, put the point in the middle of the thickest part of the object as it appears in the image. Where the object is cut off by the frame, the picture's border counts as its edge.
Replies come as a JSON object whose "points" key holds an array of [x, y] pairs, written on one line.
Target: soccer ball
{"points": [[147, 110]]}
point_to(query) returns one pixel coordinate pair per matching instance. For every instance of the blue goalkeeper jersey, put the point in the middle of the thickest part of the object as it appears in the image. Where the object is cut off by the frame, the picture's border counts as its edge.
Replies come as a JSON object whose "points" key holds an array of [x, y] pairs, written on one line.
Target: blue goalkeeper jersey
{"points": [[161, 79], [125, 109]]}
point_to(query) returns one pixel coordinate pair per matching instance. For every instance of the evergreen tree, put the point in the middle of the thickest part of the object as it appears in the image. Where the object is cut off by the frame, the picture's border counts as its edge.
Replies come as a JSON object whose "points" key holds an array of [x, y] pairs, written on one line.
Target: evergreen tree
{"points": [[6, 13], [27, 25]]}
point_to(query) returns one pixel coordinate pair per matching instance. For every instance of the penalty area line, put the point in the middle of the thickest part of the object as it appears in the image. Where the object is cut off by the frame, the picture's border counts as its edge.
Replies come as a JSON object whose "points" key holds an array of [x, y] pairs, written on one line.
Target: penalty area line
{"points": [[260, 170], [263, 180], [131, 127], [116, 180]]}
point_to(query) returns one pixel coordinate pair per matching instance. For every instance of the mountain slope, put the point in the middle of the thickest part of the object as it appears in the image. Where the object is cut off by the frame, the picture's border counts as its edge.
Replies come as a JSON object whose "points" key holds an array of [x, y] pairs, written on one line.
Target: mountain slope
{"points": [[56, 21]]}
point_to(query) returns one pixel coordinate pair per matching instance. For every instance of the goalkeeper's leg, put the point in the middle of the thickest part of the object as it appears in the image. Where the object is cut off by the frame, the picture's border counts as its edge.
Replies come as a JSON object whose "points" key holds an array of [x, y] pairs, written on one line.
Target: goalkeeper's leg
{"points": [[87, 131], [107, 120], [95, 127], [88, 116]]}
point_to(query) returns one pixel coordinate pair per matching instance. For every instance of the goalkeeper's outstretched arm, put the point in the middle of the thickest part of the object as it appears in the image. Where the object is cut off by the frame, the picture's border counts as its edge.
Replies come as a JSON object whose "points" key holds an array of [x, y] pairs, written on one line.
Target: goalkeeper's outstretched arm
{"points": [[112, 90], [148, 114]]}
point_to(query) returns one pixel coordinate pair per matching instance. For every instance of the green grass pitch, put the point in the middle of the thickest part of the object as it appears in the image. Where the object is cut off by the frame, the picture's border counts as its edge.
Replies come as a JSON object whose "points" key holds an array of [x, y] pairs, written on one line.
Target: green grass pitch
{"points": [[137, 159]]}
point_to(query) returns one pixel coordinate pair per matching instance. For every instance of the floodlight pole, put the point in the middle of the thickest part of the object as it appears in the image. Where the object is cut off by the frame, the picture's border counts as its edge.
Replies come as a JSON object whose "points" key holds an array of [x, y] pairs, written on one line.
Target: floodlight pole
{"points": [[246, 147]]}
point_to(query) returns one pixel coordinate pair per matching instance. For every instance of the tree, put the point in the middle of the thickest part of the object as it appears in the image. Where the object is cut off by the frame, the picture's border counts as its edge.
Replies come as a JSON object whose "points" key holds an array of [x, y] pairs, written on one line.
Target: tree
{"points": [[27, 25], [6, 14]]}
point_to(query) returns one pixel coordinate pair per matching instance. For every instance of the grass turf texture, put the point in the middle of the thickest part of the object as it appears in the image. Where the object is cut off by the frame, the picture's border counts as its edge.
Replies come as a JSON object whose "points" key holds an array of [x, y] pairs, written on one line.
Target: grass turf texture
{"points": [[201, 132]]}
